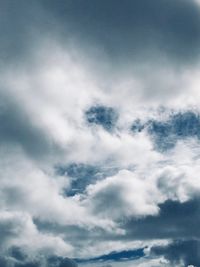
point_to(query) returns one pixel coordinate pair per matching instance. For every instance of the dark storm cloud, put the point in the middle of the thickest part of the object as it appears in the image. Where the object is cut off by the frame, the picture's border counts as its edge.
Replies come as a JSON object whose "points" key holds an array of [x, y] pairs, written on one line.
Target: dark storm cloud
{"points": [[187, 251], [175, 220], [132, 30]]}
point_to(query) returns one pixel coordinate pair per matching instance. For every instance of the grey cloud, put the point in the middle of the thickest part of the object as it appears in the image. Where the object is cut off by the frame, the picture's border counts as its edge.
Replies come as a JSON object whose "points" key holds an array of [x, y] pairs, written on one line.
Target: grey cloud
{"points": [[17, 129], [178, 221], [11, 261], [61, 262], [15, 28], [109, 201], [175, 220], [186, 251], [131, 31], [134, 29], [16, 257], [17, 253], [8, 230], [78, 236]]}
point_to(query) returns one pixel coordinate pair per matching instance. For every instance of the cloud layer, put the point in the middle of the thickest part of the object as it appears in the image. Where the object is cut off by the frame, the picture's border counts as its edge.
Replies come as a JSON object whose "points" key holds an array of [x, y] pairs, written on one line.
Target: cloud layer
{"points": [[99, 136]]}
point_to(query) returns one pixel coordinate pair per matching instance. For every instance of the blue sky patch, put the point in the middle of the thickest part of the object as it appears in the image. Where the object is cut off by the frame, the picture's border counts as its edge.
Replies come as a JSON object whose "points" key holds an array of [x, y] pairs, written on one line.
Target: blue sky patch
{"points": [[117, 256], [166, 133], [102, 115], [82, 175]]}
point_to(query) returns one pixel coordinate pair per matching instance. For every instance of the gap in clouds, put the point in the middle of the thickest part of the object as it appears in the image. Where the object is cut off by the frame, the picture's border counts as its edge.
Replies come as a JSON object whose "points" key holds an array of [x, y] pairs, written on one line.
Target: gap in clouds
{"points": [[121, 256], [168, 131], [82, 175], [104, 116]]}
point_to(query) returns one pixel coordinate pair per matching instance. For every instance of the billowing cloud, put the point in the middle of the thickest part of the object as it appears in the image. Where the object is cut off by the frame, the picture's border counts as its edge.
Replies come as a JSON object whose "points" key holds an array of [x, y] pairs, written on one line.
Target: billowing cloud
{"points": [[99, 133]]}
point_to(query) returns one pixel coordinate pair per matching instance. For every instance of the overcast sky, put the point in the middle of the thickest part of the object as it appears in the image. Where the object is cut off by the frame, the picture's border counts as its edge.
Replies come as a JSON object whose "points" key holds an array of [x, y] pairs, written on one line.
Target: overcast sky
{"points": [[99, 133]]}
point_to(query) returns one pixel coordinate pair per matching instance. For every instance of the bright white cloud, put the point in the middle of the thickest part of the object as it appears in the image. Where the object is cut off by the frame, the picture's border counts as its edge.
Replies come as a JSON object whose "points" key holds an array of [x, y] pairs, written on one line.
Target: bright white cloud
{"points": [[24, 234]]}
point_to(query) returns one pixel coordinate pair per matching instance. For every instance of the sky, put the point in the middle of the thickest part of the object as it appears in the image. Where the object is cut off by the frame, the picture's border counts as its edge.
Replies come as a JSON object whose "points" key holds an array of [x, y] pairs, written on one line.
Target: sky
{"points": [[99, 133]]}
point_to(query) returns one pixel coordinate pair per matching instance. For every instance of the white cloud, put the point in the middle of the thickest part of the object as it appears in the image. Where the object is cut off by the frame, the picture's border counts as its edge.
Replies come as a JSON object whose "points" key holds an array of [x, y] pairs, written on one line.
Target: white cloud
{"points": [[124, 195], [27, 194], [54, 93], [20, 231], [197, 2]]}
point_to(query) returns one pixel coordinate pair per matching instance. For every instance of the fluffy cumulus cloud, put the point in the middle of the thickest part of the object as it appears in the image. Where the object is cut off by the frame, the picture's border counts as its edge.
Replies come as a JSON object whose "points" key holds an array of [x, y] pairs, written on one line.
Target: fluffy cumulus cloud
{"points": [[99, 133]]}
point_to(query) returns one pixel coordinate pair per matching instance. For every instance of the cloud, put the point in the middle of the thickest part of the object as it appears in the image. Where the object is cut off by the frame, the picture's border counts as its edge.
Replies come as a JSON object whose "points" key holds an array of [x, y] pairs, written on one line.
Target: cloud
{"points": [[123, 195], [131, 30], [186, 251], [11, 261], [92, 96], [18, 229]]}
